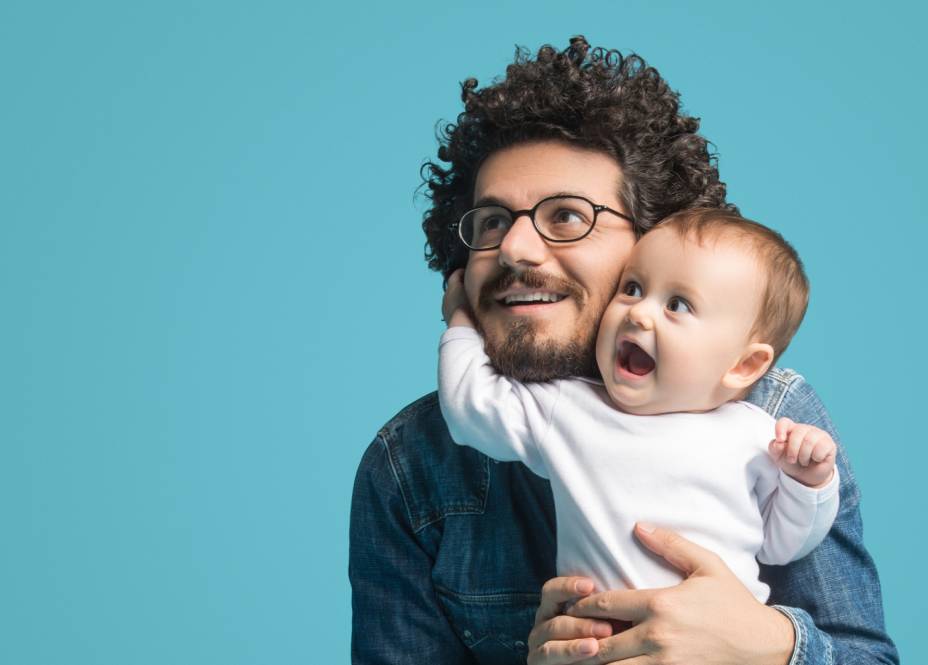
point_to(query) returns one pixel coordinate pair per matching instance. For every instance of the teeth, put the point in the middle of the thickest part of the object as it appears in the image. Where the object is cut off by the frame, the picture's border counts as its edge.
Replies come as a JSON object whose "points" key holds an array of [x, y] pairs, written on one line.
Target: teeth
{"points": [[533, 297]]}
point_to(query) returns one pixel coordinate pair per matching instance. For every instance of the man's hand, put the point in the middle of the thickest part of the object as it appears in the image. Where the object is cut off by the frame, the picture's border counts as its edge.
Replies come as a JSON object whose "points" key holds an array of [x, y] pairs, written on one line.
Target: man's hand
{"points": [[804, 452], [709, 618], [557, 638], [454, 308]]}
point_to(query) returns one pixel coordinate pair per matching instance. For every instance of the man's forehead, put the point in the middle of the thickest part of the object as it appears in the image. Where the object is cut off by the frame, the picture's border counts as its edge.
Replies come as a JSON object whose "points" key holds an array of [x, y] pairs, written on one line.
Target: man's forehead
{"points": [[506, 197], [531, 172]]}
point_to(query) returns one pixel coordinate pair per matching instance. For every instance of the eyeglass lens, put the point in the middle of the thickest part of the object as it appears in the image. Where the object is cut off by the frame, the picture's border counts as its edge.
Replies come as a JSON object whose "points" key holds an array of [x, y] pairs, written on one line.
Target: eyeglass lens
{"points": [[559, 219]]}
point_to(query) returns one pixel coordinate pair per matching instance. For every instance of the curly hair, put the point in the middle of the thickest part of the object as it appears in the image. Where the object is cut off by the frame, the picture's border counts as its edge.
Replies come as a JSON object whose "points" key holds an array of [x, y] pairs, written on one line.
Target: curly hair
{"points": [[588, 97]]}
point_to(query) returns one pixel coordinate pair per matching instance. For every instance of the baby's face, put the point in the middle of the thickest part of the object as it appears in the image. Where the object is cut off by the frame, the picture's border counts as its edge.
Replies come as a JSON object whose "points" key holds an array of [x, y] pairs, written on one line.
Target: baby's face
{"points": [[679, 321]]}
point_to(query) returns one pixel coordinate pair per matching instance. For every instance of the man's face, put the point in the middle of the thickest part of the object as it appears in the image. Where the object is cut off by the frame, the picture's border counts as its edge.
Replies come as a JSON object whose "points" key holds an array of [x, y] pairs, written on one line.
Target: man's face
{"points": [[543, 340]]}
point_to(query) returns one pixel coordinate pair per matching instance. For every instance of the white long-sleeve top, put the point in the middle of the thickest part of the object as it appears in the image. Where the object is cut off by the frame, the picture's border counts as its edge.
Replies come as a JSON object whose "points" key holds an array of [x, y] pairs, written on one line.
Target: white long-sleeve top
{"points": [[707, 476]]}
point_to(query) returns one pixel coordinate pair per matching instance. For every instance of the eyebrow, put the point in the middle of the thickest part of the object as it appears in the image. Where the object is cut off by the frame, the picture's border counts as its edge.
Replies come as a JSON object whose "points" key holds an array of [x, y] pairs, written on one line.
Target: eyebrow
{"points": [[491, 200], [687, 292]]}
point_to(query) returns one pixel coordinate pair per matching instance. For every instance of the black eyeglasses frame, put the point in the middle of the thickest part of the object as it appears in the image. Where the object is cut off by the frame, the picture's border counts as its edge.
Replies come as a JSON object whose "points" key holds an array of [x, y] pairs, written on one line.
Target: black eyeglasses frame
{"points": [[515, 214]]}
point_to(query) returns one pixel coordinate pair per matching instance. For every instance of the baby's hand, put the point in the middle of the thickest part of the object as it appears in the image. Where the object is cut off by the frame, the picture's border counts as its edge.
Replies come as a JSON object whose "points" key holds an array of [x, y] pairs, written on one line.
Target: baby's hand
{"points": [[454, 308], [804, 452]]}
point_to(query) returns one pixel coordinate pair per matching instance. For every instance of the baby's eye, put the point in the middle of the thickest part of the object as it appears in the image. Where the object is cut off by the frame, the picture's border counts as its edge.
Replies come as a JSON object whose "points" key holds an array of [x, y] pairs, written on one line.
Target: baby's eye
{"points": [[632, 289], [678, 305]]}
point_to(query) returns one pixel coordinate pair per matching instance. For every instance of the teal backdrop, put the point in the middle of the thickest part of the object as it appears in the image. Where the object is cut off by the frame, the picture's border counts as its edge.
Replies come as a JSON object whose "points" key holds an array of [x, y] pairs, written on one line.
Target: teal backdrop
{"points": [[213, 292]]}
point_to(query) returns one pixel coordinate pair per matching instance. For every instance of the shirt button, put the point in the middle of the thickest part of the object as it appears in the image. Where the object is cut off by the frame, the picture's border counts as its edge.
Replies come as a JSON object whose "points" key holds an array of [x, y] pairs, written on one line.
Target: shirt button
{"points": [[468, 634], [520, 644]]}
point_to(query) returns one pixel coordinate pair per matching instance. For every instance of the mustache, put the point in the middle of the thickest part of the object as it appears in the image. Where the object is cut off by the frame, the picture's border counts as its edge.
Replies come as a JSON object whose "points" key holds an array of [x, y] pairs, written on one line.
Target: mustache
{"points": [[531, 279]]}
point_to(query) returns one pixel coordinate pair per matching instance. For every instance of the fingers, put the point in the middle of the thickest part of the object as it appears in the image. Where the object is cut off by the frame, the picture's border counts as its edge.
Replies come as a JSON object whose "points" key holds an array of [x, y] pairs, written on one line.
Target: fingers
{"points": [[782, 428], [623, 605], [563, 652], [564, 627], [804, 441], [557, 639], [630, 646], [824, 450], [682, 554], [560, 590], [455, 297], [794, 442], [776, 449], [805, 449]]}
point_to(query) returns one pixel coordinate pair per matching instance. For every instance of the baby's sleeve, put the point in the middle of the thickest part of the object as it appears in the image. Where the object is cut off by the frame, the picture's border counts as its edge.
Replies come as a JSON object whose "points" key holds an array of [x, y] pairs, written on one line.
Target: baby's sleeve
{"points": [[796, 517], [498, 416]]}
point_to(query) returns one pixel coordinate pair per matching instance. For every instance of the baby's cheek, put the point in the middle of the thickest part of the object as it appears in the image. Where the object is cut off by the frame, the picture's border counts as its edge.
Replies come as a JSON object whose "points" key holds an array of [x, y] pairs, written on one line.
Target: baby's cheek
{"points": [[605, 340]]}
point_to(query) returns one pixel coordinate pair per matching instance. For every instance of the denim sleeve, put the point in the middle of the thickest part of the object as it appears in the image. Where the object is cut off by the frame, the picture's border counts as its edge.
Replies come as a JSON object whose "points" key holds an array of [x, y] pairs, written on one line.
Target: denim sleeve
{"points": [[396, 616], [837, 586]]}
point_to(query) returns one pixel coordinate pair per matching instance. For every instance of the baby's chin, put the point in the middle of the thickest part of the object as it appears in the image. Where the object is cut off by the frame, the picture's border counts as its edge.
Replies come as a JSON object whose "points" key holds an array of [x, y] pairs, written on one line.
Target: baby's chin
{"points": [[628, 401], [643, 405]]}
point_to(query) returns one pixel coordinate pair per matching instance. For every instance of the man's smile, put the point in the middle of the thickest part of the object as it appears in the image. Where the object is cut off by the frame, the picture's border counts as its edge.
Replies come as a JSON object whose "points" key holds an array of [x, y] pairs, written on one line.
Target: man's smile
{"points": [[529, 293], [531, 297]]}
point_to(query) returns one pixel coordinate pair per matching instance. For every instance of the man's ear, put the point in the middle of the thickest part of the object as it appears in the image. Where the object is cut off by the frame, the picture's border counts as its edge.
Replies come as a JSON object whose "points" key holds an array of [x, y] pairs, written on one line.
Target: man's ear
{"points": [[752, 364]]}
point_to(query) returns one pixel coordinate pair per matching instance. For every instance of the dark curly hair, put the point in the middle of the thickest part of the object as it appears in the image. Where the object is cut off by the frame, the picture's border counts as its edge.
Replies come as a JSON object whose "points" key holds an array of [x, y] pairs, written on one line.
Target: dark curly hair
{"points": [[593, 98]]}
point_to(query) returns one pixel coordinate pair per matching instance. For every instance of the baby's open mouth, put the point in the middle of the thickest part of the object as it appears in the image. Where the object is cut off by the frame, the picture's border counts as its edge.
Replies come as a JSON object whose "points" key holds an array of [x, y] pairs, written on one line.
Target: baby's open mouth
{"points": [[634, 359]]}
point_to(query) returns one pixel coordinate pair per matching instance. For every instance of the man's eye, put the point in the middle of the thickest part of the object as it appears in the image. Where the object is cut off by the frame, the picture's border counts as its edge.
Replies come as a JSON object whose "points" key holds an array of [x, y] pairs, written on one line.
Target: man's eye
{"points": [[566, 216], [678, 305], [632, 289], [493, 223]]}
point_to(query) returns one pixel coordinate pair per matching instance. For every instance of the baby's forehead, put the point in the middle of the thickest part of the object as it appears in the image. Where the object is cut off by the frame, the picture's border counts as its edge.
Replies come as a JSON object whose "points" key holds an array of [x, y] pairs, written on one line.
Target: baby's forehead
{"points": [[705, 237], [715, 263], [705, 243]]}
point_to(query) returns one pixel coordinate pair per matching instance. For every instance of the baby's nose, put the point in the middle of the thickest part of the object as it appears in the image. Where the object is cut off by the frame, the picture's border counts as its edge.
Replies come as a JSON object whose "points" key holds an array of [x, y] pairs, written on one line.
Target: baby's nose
{"points": [[640, 317]]}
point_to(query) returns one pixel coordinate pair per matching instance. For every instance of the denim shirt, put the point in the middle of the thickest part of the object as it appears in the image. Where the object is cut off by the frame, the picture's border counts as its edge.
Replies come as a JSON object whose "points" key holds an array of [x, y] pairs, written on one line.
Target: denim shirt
{"points": [[449, 550]]}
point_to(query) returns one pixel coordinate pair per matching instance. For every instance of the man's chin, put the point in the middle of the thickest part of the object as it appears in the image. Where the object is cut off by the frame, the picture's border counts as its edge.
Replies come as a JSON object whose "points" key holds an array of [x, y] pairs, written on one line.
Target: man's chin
{"points": [[521, 352]]}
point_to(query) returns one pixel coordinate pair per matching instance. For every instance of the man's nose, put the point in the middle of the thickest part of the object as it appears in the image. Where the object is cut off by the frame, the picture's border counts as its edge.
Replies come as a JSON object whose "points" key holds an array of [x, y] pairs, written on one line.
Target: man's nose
{"points": [[522, 246], [640, 315]]}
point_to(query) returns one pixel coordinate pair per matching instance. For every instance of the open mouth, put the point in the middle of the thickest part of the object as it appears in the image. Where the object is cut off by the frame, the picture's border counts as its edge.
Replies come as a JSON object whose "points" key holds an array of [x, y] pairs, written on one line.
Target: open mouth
{"points": [[634, 359], [533, 298]]}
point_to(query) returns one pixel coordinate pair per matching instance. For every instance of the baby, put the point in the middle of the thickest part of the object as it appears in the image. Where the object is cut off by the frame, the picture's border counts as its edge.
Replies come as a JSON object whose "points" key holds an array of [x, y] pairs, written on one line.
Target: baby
{"points": [[706, 303]]}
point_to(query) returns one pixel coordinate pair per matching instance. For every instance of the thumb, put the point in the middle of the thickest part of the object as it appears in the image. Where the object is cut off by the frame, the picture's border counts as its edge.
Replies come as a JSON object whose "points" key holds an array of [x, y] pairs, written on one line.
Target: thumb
{"points": [[682, 554]]}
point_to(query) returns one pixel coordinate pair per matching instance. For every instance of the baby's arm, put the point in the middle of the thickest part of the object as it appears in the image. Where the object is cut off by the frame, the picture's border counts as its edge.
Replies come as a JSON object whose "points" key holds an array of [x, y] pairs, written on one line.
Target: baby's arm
{"points": [[803, 506], [483, 409]]}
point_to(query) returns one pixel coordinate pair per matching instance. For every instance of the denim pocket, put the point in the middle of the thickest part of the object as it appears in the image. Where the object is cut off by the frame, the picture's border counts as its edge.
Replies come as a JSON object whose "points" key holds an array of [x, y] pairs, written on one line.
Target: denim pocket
{"points": [[494, 626]]}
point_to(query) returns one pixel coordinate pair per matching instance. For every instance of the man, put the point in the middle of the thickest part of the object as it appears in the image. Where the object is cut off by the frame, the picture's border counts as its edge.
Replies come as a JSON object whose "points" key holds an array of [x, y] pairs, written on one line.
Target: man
{"points": [[449, 550]]}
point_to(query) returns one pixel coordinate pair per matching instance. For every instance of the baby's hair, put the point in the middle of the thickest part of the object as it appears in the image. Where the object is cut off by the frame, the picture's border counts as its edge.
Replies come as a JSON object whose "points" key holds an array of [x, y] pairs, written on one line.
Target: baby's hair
{"points": [[786, 288]]}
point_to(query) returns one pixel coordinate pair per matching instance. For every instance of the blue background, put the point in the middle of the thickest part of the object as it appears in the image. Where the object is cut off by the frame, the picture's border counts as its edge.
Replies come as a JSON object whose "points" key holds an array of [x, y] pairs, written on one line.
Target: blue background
{"points": [[213, 289]]}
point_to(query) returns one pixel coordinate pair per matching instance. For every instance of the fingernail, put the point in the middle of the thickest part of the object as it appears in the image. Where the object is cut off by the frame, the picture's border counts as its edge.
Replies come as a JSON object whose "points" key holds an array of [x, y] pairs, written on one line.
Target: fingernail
{"points": [[583, 586], [588, 648], [646, 527], [602, 630]]}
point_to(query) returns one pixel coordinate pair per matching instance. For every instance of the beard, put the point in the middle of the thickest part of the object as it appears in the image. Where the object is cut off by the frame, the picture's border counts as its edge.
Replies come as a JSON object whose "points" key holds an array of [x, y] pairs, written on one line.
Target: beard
{"points": [[520, 352]]}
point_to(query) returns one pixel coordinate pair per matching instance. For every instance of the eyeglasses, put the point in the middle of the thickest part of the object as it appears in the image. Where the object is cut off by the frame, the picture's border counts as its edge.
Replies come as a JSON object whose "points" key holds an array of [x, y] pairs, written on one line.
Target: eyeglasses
{"points": [[556, 218]]}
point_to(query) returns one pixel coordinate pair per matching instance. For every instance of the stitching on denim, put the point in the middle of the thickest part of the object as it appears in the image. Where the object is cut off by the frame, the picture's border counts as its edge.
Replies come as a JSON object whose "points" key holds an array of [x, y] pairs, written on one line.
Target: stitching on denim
{"points": [[464, 508], [480, 641], [499, 597], [787, 379], [424, 402], [485, 484], [396, 474], [799, 649], [437, 516], [387, 434]]}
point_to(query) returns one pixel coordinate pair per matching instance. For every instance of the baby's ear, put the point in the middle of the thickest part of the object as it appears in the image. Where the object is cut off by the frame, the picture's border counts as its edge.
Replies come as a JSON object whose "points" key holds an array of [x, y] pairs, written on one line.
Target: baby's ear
{"points": [[752, 365]]}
